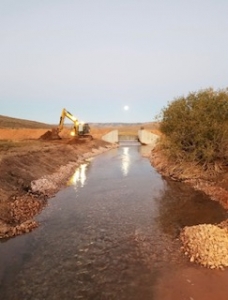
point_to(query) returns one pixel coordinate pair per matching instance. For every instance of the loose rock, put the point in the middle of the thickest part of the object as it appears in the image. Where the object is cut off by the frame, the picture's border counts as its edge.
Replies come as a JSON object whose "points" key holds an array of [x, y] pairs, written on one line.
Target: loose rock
{"points": [[206, 244]]}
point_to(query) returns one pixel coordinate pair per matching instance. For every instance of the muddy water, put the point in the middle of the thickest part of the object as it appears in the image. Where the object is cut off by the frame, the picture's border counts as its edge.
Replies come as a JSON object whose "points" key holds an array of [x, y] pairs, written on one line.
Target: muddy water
{"points": [[113, 234]]}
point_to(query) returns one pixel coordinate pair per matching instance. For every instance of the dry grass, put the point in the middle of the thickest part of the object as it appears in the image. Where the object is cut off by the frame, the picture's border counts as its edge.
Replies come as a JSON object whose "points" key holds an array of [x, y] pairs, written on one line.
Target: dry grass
{"points": [[20, 133]]}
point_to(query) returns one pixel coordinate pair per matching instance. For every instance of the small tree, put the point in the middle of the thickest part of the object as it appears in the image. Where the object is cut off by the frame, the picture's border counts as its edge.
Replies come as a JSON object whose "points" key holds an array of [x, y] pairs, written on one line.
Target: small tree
{"points": [[196, 126]]}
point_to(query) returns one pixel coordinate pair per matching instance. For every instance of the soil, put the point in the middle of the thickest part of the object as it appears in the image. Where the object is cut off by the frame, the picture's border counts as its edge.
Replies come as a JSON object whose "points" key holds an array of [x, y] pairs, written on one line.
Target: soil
{"points": [[27, 156]]}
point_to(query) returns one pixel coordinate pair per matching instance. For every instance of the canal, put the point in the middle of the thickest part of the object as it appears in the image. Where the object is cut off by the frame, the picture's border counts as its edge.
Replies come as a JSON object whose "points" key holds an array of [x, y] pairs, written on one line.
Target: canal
{"points": [[112, 233]]}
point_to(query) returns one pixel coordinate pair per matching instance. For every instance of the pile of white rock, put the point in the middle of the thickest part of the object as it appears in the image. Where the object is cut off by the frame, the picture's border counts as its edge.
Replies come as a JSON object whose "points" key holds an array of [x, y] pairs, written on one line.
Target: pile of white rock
{"points": [[206, 244]]}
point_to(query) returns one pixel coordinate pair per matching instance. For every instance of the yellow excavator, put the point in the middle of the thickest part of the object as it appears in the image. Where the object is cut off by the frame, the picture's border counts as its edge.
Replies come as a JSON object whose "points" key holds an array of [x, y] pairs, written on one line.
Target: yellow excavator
{"points": [[80, 129]]}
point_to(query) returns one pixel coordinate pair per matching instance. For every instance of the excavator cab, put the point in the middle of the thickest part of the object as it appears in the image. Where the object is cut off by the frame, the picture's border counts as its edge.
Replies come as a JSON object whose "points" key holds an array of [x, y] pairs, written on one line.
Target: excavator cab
{"points": [[83, 129]]}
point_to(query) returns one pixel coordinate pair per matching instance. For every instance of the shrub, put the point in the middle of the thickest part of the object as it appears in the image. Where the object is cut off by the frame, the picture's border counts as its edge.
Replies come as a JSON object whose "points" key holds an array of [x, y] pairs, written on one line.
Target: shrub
{"points": [[196, 126]]}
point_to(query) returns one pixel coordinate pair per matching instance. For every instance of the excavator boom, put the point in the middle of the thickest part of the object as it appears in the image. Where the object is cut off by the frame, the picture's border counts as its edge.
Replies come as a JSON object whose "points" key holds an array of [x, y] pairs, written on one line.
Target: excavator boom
{"points": [[67, 114]]}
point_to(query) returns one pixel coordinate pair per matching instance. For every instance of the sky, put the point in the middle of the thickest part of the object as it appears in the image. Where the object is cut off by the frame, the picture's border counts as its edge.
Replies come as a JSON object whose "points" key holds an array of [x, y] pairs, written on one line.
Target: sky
{"points": [[93, 57]]}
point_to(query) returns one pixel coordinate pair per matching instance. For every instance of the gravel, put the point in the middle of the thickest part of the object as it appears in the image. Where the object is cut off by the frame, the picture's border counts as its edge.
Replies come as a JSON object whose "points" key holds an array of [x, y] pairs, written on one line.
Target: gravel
{"points": [[206, 245]]}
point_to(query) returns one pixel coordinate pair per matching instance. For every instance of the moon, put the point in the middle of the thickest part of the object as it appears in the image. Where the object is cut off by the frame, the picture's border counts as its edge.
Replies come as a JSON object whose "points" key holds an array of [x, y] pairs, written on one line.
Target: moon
{"points": [[126, 107]]}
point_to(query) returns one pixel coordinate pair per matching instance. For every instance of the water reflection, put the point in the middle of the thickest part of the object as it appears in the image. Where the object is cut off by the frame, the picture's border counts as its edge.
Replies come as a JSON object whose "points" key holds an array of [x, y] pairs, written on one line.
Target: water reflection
{"points": [[180, 206], [79, 177], [126, 161]]}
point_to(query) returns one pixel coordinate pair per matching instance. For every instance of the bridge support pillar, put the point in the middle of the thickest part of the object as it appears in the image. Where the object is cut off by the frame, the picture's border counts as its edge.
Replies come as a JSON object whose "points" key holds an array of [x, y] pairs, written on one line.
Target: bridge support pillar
{"points": [[111, 137], [147, 138]]}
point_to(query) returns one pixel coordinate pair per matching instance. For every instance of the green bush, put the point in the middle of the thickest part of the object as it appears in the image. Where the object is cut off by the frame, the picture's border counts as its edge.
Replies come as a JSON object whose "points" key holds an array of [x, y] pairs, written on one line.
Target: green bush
{"points": [[196, 126]]}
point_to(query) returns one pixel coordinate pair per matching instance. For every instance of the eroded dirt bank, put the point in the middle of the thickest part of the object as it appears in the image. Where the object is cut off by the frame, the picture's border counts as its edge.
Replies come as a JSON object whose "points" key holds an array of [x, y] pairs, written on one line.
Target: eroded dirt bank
{"points": [[34, 170], [205, 244]]}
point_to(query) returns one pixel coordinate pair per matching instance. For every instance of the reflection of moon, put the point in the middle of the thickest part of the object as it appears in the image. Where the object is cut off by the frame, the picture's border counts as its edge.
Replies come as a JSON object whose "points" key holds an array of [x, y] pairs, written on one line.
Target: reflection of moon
{"points": [[126, 107], [125, 161], [79, 177]]}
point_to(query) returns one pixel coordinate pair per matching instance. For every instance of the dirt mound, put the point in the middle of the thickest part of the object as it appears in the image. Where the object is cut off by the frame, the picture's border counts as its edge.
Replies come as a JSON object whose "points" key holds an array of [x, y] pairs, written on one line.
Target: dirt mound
{"points": [[50, 135]]}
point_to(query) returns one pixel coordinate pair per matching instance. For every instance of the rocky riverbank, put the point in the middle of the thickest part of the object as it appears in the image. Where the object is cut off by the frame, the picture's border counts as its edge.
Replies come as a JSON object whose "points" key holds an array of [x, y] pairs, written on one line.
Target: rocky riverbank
{"points": [[205, 244]]}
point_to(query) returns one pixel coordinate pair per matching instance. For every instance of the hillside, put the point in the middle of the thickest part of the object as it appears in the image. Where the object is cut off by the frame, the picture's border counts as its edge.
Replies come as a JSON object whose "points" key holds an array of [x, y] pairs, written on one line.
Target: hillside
{"points": [[13, 123]]}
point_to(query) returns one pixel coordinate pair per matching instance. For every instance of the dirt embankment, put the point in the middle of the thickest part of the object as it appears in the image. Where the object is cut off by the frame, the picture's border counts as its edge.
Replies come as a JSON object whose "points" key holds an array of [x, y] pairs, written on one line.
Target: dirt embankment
{"points": [[32, 171], [205, 244]]}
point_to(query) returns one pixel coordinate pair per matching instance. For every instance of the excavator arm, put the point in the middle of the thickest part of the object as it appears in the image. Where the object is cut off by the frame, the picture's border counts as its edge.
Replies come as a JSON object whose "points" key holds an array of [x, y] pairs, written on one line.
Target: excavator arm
{"points": [[67, 114]]}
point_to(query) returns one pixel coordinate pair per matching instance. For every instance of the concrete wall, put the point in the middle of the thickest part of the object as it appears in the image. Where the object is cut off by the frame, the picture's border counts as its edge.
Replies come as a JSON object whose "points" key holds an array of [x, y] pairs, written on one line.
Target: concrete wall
{"points": [[111, 137], [147, 138]]}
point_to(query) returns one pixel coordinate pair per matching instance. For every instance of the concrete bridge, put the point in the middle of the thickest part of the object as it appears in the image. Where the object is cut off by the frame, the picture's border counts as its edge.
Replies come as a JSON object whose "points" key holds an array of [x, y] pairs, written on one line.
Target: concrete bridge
{"points": [[145, 137]]}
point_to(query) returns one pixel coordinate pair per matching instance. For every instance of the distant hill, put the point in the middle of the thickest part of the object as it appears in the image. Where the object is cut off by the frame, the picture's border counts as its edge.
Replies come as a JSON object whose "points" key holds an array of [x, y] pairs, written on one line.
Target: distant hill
{"points": [[8, 122], [115, 124]]}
